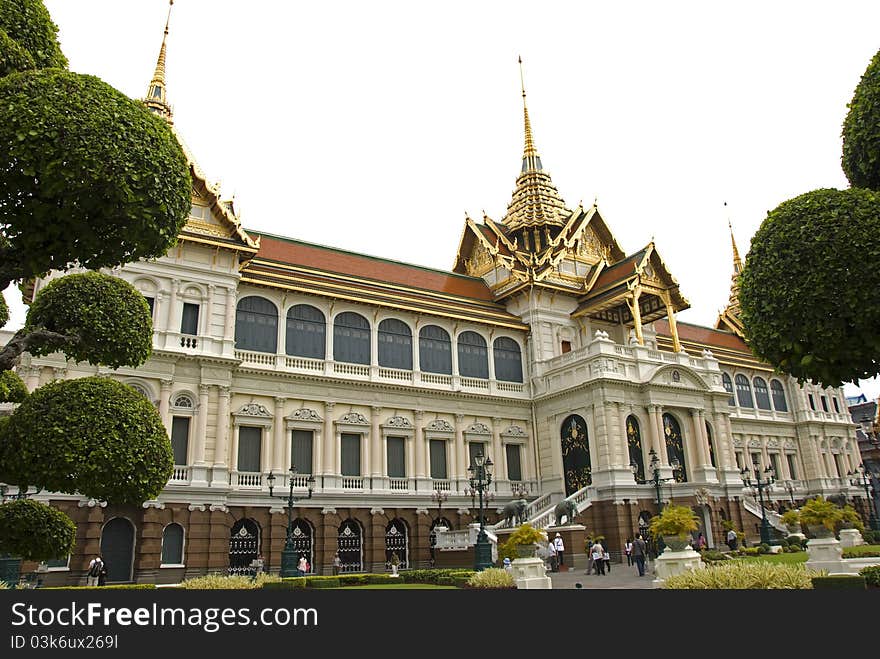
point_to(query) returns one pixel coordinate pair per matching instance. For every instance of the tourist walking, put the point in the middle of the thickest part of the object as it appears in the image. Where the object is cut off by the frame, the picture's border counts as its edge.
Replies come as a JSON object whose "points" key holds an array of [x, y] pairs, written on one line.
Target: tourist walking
{"points": [[551, 557], [559, 547], [597, 553], [639, 551], [94, 571], [337, 563], [731, 539], [102, 575], [627, 549], [606, 558]]}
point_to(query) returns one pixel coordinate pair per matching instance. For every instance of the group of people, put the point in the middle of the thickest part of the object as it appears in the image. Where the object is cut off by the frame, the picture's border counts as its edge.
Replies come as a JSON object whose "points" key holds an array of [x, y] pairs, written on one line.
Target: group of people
{"points": [[96, 575]]}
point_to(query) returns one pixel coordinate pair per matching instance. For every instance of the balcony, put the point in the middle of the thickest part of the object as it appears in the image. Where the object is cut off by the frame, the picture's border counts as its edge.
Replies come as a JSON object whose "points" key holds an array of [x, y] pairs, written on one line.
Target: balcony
{"points": [[379, 374]]}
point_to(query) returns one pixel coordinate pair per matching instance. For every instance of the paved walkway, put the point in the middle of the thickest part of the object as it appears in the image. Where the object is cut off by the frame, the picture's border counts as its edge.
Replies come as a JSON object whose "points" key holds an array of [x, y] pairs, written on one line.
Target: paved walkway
{"points": [[622, 576]]}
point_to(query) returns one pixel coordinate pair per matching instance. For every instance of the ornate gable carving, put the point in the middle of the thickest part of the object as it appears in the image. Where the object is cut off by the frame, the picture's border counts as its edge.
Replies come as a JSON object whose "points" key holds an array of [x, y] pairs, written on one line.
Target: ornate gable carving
{"points": [[354, 418], [515, 431], [305, 414], [440, 425], [479, 428], [253, 409], [399, 422]]}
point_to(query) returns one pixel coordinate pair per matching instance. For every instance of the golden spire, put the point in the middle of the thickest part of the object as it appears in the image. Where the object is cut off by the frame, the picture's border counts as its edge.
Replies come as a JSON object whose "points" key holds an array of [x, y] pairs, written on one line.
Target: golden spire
{"points": [[737, 263], [535, 202], [729, 319], [531, 159], [156, 99]]}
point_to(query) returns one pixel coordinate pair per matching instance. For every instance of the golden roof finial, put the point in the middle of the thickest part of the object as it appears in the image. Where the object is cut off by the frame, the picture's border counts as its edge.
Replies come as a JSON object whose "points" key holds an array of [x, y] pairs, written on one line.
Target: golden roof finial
{"points": [[531, 159], [737, 262], [156, 99]]}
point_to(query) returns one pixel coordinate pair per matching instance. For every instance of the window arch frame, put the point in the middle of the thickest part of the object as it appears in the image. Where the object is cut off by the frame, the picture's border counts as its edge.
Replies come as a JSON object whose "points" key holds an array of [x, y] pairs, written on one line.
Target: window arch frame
{"points": [[289, 332], [435, 352], [181, 562], [470, 363], [761, 395], [727, 383], [358, 344], [389, 356], [742, 384], [499, 363], [263, 337]]}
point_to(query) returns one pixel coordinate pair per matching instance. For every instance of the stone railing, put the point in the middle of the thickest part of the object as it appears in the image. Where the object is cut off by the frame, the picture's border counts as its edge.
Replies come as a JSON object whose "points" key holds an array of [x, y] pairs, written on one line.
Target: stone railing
{"points": [[180, 476]]}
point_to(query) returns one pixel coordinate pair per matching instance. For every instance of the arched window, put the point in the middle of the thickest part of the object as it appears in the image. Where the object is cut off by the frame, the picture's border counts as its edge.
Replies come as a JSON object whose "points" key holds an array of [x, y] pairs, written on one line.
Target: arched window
{"points": [[117, 549], [435, 350], [395, 344], [396, 542], [675, 445], [761, 395], [778, 392], [172, 545], [473, 357], [728, 386], [350, 546], [744, 391], [634, 441], [351, 338], [576, 463], [306, 332], [256, 325], [508, 361]]}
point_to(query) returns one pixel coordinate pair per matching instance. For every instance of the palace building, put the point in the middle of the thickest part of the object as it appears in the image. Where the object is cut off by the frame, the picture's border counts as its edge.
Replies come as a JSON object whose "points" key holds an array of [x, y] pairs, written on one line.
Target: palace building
{"points": [[546, 348]]}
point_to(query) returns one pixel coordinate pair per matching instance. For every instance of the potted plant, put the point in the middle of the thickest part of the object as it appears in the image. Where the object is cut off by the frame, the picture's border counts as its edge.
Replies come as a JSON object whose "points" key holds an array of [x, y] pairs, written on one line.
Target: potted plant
{"points": [[674, 525], [523, 543], [820, 517], [792, 520], [850, 519]]}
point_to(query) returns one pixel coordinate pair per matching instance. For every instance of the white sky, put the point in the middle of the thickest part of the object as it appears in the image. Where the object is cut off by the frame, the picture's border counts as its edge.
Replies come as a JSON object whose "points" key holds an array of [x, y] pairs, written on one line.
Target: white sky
{"points": [[374, 126]]}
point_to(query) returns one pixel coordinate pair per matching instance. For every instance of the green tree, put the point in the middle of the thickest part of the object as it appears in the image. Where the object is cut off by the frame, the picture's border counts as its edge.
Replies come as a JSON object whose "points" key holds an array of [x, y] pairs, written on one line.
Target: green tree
{"points": [[92, 179], [809, 290]]}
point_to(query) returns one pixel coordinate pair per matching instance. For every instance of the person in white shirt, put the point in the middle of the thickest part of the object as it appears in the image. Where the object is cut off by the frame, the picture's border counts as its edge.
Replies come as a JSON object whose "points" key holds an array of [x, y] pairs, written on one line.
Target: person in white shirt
{"points": [[94, 571], [559, 547], [628, 550]]}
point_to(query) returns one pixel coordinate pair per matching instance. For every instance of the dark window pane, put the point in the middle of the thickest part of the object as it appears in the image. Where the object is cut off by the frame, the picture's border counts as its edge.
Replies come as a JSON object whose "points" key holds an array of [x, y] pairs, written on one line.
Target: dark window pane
{"points": [[180, 438], [350, 455], [301, 451], [150, 302], [475, 448], [762, 397], [744, 391], [189, 321], [514, 468], [812, 401], [395, 344], [250, 439], [438, 459], [792, 465], [256, 325], [172, 545], [435, 350], [824, 403], [508, 362], [306, 332], [728, 386], [351, 338], [778, 396], [473, 356], [396, 457]]}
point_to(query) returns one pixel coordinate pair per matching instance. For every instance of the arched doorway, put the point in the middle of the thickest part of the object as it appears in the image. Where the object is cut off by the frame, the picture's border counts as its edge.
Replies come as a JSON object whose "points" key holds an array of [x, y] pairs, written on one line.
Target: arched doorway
{"points": [[575, 454], [302, 540], [117, 549], [244, 546], [675, 446], [397, 541], [350, 544], [439, 521]]}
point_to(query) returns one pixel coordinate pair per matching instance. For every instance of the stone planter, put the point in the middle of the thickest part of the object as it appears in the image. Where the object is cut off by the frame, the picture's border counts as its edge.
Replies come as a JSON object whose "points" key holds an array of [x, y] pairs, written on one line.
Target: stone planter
{"points": [[676, 542], [527, 551]]}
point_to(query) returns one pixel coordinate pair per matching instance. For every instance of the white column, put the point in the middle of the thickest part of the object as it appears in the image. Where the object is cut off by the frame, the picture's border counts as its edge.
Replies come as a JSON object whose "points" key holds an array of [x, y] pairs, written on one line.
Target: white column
{"points": [[698, 453], [278, 432], [376, 443], [172, 322], [420, 445], [221, 447], [229, 324], [201, 425], [33, 377], [329, 440], [623, 439], [531, 471], [165, 402], [498, 450], [209, 311], [458, 469]]}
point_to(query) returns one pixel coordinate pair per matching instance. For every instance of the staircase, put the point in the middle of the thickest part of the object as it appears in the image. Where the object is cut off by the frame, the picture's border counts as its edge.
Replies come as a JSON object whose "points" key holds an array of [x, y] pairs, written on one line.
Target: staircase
{"points": [[539, 513], [774, 518]]}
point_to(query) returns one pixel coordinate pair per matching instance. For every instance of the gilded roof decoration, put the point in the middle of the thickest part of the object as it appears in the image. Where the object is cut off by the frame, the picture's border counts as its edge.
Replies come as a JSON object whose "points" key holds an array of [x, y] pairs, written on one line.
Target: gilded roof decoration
{"points": [[730, 318]]}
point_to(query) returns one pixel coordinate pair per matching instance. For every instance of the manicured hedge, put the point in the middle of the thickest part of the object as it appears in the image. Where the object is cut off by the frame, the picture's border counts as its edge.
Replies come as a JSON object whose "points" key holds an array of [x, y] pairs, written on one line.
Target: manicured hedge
{"points": [[849, 581], [127, 586]]}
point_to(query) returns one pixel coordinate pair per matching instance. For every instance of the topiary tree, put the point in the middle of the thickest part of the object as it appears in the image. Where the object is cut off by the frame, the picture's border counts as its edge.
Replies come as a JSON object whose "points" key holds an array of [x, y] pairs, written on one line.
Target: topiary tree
{"points": [[861, 131], [34, 531], [809, 289], [88, 178]]}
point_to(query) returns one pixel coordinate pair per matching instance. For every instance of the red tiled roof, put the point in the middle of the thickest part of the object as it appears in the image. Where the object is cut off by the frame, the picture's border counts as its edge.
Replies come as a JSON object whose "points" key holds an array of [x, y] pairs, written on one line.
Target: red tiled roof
{"points": [[704, 335], [619, 271], [307, 255]]}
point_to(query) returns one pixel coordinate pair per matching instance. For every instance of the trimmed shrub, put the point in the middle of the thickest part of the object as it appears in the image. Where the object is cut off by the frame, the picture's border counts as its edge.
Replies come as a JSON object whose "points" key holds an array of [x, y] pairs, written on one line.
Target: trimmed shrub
{"points": [[861, 551], [34, 530], [711, 556], [125, 586], [848, 581], [871, 575], [28, 25], [228, 582], [288, 583], [323, 582], [861, 131], [743, 575], [492, 577], [795, 541], [12, 387], [763, 548]]}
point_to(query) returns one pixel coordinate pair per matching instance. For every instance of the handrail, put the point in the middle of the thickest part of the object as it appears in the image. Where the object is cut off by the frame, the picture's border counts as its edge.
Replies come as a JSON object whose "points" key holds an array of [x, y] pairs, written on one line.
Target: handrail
{"points": [[774, 518]]}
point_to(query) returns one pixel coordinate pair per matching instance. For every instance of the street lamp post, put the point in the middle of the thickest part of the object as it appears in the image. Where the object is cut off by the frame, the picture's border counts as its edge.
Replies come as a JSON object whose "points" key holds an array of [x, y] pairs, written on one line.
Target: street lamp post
{"points": [[746, 474], [789, 487], [288, 554], [439, 497], [859, 476], [655, 475], [479, 479]]}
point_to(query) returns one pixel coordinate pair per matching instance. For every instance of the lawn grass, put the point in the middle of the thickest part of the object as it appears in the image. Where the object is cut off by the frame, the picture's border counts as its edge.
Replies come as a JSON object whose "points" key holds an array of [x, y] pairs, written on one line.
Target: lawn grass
{"points": [[863, 550], [786, 559], [398, 586]]}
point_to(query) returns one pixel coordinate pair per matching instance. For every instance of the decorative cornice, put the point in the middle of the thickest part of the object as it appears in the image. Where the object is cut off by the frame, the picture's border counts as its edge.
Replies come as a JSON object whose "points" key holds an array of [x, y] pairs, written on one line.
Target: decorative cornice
{"points": [[196, 507], [377, 511], [354, 418], [153, 503], [515, 431], [304, 414], [399, 422], [214, 507], [253, 409], [440, 425], [329, 510], [478, 429]]}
